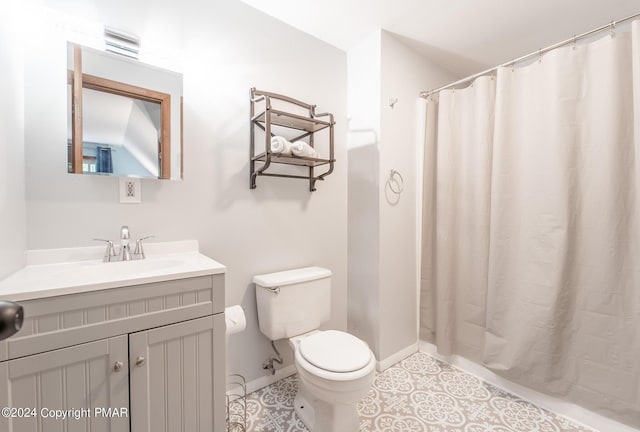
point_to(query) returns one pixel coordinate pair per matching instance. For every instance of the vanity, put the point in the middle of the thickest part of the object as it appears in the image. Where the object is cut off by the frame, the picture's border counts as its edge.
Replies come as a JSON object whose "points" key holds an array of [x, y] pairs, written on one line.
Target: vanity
{"points": [[122, 346]]}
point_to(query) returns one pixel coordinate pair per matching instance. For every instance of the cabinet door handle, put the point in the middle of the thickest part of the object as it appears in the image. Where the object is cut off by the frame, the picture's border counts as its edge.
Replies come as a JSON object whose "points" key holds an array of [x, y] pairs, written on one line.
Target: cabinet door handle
{"points": [[118, 366], [140, 361]]}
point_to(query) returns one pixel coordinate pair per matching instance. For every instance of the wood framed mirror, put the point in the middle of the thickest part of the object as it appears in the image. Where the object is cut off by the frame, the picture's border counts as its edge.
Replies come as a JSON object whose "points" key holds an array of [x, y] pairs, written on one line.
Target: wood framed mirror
{"points": [[116, 127]]}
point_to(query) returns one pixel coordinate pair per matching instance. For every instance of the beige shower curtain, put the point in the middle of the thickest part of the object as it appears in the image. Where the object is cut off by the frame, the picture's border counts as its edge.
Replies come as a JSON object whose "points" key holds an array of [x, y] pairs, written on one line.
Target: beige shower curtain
{"points": [[531, 224]]}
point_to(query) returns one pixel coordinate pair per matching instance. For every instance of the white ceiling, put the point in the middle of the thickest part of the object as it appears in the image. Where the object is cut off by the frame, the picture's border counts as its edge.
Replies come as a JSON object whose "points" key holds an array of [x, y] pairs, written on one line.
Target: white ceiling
{"points": [[463, 36]]}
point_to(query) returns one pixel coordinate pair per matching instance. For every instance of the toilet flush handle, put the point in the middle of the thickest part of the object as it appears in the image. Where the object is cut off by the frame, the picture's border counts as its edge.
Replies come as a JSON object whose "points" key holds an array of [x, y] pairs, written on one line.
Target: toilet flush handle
{"points": [[275, 290]]}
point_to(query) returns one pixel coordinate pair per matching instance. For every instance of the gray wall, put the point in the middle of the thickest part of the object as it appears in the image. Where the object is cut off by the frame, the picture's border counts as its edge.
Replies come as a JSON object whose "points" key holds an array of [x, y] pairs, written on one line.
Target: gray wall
{"points": [[225, 47], [12, 202], [404, 74], [383, 227], [363, 72]]}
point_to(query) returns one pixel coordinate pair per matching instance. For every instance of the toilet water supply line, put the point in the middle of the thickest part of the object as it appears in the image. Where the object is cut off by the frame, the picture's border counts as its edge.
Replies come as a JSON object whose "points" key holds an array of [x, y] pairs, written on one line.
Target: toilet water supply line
{"points": [[268, 365]]}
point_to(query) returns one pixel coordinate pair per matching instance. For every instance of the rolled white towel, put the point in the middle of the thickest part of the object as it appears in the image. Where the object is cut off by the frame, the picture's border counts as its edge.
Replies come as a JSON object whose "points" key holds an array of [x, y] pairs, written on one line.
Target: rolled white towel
{"points": [[280, 145], [302, 149]]}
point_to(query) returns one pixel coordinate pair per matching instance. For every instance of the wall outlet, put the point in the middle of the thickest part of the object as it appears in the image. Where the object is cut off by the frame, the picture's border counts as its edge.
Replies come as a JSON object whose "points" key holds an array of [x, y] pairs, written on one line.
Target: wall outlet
{"points": [[130, 190]]}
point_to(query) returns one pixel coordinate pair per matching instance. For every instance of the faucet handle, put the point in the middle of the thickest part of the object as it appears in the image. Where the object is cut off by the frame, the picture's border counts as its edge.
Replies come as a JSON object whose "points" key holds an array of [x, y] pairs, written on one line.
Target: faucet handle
{"points": [[139, 247], [109, 252]]}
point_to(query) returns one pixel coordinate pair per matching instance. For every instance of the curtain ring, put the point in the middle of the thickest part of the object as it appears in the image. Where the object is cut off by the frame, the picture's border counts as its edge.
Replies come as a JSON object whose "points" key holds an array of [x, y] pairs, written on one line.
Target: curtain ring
{"points": [[575, 40], [398, 182], [613, 29]]}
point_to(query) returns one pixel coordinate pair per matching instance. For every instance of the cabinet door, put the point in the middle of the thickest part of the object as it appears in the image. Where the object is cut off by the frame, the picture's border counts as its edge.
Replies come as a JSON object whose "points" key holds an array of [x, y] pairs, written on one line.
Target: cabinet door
{"points": [[81, 377], [177, 377]]}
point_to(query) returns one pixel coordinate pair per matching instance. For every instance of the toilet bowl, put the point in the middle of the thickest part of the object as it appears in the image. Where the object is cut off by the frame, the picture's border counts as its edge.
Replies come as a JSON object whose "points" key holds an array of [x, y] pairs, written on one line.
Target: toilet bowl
{"points": [[335, 371]]}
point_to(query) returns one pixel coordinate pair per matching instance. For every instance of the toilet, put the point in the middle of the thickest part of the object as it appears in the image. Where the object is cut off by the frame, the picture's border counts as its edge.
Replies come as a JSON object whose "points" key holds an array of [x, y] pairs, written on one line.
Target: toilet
{"points": [[335, 369]]}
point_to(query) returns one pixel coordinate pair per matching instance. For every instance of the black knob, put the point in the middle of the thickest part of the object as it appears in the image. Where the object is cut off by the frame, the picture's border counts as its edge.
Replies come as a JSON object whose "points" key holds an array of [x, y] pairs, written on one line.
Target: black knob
{"points": [[11, 319]]}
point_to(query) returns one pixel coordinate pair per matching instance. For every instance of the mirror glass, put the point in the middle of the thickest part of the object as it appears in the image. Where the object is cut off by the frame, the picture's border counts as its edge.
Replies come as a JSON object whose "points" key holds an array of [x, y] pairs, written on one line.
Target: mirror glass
{"points": [[124, 116]]}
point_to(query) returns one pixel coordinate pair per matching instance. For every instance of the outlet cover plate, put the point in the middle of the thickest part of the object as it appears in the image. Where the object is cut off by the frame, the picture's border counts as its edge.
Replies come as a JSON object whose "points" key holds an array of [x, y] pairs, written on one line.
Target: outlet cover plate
{"points": [[130, 190]]}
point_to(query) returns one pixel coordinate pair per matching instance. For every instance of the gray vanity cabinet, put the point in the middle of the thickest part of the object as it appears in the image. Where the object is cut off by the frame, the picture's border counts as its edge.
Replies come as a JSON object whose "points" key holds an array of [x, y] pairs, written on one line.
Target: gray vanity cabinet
{"points": [[79, 377], [157, 350], [171, 367]]}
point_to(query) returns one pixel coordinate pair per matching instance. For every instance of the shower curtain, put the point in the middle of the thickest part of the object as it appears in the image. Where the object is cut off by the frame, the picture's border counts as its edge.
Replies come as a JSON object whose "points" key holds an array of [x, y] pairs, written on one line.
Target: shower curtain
{"points": [[531, 224]]}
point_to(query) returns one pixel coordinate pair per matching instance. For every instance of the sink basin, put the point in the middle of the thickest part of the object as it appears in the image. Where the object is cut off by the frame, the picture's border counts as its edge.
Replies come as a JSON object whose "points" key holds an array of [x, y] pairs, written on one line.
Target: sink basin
{"points": [[109, 271], [128, 268], [73, 270]]}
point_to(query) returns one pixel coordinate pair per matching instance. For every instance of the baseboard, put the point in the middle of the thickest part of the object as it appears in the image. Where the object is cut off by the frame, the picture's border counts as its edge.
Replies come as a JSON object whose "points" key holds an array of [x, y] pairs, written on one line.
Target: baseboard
{"points": [[576, 413], [266, 380], [398, 356]]}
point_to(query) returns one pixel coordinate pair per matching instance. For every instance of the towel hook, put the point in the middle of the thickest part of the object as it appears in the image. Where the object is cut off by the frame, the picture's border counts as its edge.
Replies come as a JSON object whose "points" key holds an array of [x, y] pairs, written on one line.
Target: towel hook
{"points": [[395, 182], [393, 102]]}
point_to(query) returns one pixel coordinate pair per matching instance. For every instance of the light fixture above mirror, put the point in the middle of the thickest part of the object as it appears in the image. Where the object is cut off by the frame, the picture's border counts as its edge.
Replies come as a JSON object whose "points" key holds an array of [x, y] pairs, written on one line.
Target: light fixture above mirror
{"points": [[119, 42]]}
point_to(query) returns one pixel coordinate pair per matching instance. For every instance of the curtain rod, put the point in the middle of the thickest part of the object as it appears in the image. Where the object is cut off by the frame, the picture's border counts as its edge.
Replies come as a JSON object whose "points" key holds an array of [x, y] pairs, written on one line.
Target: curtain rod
{"points": [[612, 26]]}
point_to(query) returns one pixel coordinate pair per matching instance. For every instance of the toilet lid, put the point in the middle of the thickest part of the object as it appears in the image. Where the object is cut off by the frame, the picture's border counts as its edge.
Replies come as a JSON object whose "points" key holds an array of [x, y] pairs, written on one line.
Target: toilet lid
{"points": [[335, 351]]}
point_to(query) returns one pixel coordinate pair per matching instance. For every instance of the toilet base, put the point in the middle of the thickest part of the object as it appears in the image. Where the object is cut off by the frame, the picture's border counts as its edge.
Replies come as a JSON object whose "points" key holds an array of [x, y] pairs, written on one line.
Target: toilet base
{"points": [[320, 416], [304, 410]]}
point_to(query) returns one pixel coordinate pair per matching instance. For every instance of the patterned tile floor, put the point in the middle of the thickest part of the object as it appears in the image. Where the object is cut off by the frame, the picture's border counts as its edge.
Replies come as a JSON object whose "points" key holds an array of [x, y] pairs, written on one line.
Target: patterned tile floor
{"points": [[419, 394]]}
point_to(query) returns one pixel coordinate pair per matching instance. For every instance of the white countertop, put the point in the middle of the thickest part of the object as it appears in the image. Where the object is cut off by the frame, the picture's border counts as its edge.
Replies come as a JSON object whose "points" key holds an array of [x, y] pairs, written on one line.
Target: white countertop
{"points": [[55, 272]]}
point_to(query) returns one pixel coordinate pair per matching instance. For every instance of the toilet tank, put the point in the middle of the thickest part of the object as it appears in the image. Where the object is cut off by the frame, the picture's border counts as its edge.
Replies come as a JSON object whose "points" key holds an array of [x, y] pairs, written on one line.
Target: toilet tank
{"points": [[293, 302]]}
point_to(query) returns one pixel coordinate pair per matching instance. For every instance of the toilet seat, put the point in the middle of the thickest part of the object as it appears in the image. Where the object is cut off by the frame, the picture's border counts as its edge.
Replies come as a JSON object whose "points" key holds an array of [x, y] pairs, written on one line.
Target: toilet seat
{"points": [[335, 351]]}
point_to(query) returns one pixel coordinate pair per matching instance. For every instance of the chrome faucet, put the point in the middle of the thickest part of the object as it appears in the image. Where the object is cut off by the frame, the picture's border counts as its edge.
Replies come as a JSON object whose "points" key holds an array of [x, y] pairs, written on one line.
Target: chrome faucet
{"points": [[139, 251], [125, 247], [110, 253]]}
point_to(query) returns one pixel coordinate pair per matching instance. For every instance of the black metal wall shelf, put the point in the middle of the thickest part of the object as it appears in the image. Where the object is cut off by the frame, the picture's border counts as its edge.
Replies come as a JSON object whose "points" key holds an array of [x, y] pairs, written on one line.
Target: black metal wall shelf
{"points": [[309, 124]]}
